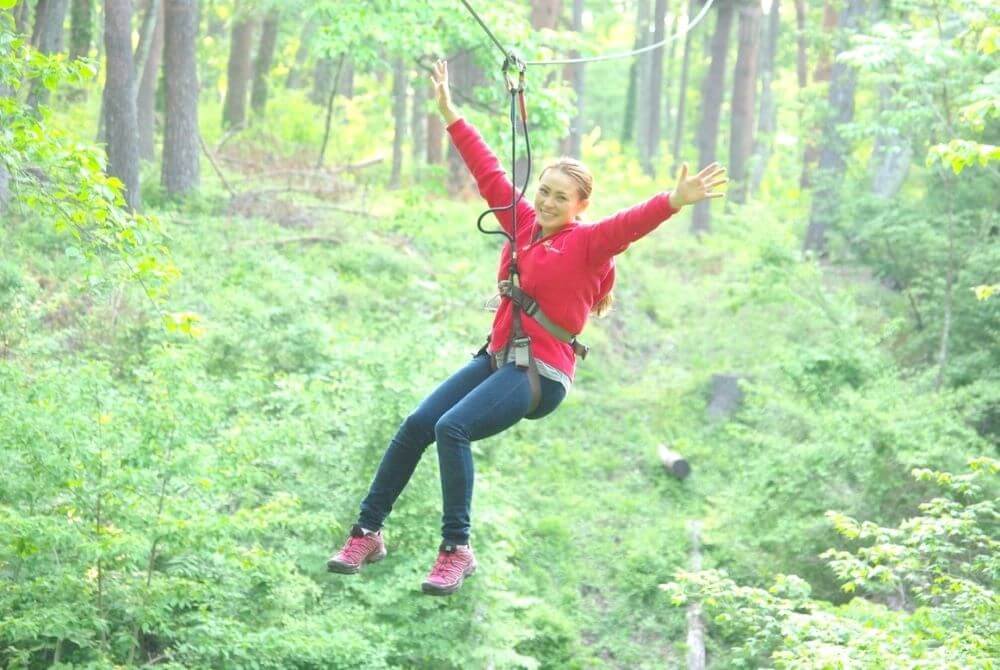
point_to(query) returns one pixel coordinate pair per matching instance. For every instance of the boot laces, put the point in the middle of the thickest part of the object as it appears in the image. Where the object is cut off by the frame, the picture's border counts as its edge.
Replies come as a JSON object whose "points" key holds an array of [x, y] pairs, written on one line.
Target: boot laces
{"points": [[448, 566], [356, 548]]}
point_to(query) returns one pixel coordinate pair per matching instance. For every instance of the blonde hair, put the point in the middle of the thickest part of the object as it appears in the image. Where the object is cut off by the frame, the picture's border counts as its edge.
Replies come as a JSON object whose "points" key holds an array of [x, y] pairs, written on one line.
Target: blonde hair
{"points": [[579, 173]]}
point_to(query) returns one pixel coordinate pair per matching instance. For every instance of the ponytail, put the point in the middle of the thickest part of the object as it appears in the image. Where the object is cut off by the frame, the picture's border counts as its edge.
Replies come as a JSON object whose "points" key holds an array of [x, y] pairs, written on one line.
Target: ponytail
{"points": [[603, 305]]}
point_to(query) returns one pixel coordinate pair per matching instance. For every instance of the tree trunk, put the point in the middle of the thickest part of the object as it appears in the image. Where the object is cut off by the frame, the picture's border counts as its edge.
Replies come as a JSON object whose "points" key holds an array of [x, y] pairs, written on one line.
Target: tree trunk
{"points": [[435, 135], [146, 99], [801, 66], [840, 110], [821, 73], [712, 92], [572, 143], [418, 118], [295, 79], [668, 89], [744, 83], [322, 80], [464, 76], [262, 63], [767, 117], [545, 13], [644, 67], [22, 17], [181, 143], [234, 109], [80, 32], [346, 84], [123, 132], [47, 38], [892, 153], [632, 94], [682, 89], [650, 144], [399, 86]]}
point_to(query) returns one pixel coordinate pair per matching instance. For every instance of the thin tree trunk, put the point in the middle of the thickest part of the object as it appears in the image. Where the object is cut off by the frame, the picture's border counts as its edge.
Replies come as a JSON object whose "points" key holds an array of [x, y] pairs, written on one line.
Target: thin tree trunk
{"points": [[322, 80], [892, 153], [146, 99], [399, 86], [821, 73], [346, 83], [435, 135], [668, 89], [573, 141], [329, 111], [418, 127], [47, 39], [632, 95], [712, 92], [682, 88], [234, 109], [81, 31], [767, 117], [744, 83], [181, 145], [123, 132], [801, 65], [840, 107], [22, 17], [146, 39], [644, 67], [262, 63], [295, 79], [464, 76], [650, 146]]}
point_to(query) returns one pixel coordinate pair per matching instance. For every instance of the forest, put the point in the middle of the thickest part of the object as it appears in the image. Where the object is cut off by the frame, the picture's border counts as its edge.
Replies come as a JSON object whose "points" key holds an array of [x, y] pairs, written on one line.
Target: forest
{"points": [[239, 248]]}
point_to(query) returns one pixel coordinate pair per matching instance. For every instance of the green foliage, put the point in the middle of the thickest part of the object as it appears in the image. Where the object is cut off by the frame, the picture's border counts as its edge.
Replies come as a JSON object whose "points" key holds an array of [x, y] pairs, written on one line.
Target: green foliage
{"points": [[944, 562]]}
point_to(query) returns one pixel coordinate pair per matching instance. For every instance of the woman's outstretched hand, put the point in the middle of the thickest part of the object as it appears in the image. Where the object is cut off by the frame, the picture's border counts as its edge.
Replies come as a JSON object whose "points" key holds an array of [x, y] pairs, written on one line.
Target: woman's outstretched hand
{"points": [[442, 93], [690, 190]]}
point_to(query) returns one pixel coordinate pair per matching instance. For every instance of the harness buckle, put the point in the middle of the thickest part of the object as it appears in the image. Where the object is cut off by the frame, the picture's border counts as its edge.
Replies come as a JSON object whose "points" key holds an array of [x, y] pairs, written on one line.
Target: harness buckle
{"points": [[522, 351]]}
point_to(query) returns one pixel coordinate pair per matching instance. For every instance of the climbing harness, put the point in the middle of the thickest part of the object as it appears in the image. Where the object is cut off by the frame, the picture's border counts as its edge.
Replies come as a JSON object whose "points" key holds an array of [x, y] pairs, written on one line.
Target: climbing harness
{"points": [[519, 342]]}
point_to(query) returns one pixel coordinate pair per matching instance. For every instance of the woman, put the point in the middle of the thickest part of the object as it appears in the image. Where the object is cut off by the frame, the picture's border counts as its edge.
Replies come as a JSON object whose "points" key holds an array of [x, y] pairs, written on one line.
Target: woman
{"points": [[568, 269]]}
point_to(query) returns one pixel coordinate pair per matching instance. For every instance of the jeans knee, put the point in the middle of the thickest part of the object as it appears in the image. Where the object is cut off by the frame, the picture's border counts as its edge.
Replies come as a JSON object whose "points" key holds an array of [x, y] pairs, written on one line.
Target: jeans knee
{"points": [[449, 430], [417, 430]]}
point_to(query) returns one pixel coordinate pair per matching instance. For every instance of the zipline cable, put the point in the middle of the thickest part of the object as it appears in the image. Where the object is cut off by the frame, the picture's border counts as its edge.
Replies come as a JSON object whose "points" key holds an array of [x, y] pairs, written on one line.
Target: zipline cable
{"points": [[593, 59]]}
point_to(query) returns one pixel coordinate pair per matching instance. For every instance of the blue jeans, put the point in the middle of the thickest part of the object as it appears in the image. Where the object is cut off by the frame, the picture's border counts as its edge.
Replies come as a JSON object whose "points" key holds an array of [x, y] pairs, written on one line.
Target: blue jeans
{"points": [[472, 404]]}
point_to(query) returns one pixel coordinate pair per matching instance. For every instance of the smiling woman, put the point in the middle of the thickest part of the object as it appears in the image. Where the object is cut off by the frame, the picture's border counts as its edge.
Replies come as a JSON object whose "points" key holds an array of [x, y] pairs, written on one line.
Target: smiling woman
{"points": [[525, 369]]}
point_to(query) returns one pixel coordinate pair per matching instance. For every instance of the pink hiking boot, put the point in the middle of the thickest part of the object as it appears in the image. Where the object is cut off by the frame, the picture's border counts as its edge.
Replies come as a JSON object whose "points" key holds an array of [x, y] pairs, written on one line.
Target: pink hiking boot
{"points": [[360, 548], [454, 564]]}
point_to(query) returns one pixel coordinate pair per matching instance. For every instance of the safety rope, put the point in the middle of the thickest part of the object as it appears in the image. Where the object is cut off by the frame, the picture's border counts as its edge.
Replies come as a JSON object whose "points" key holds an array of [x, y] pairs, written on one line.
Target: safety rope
{"points": [[593, 59]]}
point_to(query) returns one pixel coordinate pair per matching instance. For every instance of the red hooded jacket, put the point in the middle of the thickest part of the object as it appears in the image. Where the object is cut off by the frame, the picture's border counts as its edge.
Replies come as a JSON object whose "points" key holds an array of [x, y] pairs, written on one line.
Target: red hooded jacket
{"points": [[567, 272]]}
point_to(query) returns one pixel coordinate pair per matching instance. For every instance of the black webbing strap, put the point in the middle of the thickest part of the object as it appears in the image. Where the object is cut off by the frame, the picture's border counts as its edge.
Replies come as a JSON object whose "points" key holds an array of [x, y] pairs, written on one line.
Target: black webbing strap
{"points": [[534, 310]]}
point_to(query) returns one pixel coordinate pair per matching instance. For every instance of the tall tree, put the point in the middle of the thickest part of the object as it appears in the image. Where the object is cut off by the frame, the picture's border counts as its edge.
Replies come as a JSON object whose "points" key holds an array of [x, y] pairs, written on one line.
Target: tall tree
{"points": [[81, 31], [821, 73], [399, 87], [234, 108], [767, 117], [839, 111], [181, 141], [712, 91], [744, 85], [295, 73], [418, 121], [635, 92], [682, 88], [264, 58], [146, 97], [123, 132], [47, 38], [435, 136], [464, 75], [571, 145], [649, 143]]}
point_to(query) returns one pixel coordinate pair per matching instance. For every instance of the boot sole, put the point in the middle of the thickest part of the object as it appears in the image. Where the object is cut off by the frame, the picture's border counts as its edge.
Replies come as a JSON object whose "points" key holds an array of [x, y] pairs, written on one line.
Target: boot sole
{"points": [[348, 569], [435, 590]]}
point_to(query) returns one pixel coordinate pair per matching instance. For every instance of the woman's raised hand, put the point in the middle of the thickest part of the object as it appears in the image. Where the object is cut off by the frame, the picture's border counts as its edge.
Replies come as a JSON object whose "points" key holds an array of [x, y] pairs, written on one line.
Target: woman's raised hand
{"points": [[690, 190], [441, 91]]}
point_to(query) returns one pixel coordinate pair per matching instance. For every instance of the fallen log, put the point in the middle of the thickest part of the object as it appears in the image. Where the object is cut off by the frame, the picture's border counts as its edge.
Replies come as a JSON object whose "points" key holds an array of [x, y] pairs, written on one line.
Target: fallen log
{"points": [[674, 463]]}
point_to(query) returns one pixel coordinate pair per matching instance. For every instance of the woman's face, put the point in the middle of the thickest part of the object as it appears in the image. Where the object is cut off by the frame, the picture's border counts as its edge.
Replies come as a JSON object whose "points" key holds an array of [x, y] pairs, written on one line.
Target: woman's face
{"points": [[557, 200]]}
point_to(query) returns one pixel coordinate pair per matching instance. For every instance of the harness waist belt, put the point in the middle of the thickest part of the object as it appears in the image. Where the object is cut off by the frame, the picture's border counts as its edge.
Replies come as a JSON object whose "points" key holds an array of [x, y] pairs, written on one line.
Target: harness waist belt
{"points": [[531, 307]]}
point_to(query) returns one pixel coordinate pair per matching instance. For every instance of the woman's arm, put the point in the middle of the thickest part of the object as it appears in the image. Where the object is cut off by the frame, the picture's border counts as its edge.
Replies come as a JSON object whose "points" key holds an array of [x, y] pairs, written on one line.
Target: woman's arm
{"points": [[614, 235], [485, 167]]}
